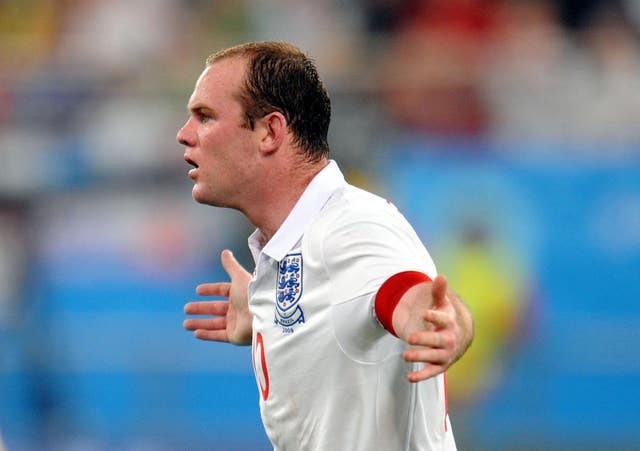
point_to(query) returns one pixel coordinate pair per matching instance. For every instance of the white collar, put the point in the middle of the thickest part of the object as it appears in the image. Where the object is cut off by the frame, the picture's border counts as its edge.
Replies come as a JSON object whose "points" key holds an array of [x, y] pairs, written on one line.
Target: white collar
{"points": [[314, 197]]}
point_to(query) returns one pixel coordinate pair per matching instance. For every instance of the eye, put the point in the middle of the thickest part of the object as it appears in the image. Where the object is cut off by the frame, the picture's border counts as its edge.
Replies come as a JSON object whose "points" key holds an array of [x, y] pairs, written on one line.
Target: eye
{"points": [[203, 117]]}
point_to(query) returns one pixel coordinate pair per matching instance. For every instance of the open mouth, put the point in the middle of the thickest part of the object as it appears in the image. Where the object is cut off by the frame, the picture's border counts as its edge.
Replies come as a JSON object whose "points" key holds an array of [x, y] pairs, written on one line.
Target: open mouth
{"points": [[191, 162], [194, 169]]}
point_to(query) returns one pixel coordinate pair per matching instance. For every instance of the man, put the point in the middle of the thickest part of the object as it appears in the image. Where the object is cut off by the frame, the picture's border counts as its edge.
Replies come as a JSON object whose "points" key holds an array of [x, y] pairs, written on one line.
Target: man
{"points": [[342, 284]]}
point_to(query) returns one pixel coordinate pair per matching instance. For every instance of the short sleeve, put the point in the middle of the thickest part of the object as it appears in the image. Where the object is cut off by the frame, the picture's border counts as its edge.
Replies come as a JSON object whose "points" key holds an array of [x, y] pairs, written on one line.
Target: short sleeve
{"points": [[361, 252]]}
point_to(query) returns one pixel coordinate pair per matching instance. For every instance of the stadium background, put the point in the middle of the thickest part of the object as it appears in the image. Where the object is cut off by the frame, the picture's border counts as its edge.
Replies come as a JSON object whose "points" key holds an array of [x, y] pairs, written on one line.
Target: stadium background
{"points": [[506, 131]]}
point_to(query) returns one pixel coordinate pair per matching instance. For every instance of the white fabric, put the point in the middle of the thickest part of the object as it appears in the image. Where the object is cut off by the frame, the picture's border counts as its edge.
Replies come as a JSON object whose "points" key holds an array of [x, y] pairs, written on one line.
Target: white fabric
{"points": [[336, 379]]}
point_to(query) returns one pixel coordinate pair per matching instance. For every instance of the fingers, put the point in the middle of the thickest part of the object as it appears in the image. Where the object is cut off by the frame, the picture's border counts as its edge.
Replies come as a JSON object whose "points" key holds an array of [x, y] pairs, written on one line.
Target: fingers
{"points": [[435, 362], [212, 335], [214, 289], [435, 351], [432, 339], [233, 268], [439, 291], [231, 265], [215, 308], [428, 356], [212, 329], [441, 320], [208, 323], [425, 373], [434, 348]]}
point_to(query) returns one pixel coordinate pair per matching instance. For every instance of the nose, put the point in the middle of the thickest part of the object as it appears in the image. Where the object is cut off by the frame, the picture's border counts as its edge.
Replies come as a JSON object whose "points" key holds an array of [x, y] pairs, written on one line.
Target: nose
{"points": [[185, 136]]}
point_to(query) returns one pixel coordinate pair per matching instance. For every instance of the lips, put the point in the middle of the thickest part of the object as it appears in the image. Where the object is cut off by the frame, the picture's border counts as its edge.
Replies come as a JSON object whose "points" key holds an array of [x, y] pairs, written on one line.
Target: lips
{"points": [[190, 161], [192, 172]]}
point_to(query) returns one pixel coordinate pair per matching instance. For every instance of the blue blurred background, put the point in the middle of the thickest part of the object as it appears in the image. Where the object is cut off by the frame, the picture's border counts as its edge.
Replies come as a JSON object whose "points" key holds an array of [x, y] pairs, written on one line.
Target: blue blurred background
{"points": [[508, 132]]}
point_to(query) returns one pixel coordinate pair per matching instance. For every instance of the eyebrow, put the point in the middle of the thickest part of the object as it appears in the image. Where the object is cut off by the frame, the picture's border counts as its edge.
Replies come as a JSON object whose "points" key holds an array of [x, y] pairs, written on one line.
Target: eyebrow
{"points": [[198, 106]]}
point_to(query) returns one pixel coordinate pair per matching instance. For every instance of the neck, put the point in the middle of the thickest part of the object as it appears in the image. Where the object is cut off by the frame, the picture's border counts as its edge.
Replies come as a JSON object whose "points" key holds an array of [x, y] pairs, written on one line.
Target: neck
{"points": [[279, 194]]}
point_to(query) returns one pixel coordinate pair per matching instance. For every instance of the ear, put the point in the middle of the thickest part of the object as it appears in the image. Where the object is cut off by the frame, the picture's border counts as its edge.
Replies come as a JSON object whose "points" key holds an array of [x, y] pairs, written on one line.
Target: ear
{"points": [[275, 130]]}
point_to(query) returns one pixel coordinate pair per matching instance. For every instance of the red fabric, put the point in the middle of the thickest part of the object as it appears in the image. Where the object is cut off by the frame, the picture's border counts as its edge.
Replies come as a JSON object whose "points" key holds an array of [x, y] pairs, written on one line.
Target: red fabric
{"points": [[446, 401], [392, 291]]}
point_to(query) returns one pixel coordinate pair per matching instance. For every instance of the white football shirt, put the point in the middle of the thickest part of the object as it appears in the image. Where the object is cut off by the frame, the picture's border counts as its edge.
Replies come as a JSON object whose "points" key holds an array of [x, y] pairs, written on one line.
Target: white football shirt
{"points": [[330, 376]]}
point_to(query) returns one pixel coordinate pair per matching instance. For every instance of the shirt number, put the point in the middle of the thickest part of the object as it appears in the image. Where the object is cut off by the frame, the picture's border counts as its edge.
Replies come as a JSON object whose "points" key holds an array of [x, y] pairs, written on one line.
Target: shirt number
{"points": [[260, 366]]}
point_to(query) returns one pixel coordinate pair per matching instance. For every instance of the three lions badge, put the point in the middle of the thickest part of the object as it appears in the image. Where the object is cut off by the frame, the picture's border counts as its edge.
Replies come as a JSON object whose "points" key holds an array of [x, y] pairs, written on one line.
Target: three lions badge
{"points": [[288, 292]]}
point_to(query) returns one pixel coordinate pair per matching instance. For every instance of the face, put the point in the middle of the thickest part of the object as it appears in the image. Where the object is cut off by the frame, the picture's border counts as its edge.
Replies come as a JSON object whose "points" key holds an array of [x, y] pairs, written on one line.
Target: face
{"points": [[221, 150]]}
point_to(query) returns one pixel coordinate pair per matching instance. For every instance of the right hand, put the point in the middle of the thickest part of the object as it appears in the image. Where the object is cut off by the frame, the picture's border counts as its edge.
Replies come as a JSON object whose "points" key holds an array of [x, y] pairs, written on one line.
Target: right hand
{"points": [[232, 320]]}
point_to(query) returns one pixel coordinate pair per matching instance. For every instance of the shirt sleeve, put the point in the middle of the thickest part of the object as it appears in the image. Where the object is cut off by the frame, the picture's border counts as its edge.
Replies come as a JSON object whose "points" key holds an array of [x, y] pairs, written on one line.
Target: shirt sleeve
{"points": [[361, 253], [390, 293]]}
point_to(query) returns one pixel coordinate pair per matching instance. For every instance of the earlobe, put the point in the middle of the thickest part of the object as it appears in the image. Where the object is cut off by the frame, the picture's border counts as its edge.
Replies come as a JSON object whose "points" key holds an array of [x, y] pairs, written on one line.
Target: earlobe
{"points": [[275, 125]]}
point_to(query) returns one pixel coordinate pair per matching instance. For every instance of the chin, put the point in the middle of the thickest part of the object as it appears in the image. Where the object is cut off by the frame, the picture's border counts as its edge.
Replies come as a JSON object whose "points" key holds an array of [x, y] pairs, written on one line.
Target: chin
{"points": [[198, 196], [204, 199]]}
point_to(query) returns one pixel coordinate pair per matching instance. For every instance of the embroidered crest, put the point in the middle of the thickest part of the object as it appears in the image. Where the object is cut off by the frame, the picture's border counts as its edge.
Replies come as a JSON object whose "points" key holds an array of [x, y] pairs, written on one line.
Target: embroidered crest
{"points": [[288, 292]]}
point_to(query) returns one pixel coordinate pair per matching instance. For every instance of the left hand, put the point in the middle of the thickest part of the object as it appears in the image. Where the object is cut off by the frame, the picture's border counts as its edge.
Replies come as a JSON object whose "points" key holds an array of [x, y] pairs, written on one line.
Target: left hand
{"points": [[232, 320], [438, 342]]}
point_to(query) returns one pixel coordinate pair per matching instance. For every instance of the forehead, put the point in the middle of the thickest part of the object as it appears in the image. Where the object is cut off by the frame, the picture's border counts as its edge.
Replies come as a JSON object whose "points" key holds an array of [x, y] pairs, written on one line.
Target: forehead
{"points": [[219, 81]]}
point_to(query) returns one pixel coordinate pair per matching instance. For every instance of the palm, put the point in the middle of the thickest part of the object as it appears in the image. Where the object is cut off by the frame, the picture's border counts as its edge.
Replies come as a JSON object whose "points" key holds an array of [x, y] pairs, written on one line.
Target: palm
{"points": [[429, 325], [239, 317], [229, 321]]}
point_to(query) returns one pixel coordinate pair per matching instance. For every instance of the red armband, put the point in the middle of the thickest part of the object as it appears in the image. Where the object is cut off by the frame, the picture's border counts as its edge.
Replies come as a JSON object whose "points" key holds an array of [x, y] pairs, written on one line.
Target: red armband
{"points": [[392, 291]]}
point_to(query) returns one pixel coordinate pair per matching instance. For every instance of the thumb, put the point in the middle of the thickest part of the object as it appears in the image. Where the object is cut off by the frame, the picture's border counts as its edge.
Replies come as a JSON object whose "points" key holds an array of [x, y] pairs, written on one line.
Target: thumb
{"points": [[231, 265], [439, 291]]}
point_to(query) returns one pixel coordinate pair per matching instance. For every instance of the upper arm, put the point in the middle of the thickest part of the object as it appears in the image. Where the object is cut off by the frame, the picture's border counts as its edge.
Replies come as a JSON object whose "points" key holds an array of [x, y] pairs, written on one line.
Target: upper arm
{"points": [[360, 253]]}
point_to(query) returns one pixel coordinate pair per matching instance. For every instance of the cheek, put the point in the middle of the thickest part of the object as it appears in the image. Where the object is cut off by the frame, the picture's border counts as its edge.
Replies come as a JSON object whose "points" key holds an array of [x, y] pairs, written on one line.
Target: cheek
{"points": [[226, 147], [218, 139], [208, 139]]}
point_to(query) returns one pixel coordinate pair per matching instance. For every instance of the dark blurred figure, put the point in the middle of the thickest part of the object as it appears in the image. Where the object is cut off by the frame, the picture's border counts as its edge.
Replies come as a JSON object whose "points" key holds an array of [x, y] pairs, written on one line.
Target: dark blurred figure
{"points": [[576, 14]]}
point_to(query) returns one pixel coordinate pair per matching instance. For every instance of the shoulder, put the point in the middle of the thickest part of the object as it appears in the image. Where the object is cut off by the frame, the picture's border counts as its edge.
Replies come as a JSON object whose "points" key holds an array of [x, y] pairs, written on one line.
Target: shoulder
{"points": [[357, 224], [350, 206]]}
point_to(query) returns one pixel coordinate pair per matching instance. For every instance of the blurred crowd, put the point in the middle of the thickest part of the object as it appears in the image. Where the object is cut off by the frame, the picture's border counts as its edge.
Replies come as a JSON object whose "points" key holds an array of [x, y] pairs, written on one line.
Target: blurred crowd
{"points": [[93, 90]]}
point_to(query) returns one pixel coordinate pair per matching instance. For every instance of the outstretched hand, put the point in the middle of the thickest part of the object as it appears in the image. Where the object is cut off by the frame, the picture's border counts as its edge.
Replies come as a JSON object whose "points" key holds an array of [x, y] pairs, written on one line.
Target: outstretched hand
{"points": [[232, 320], [437, 338]]}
